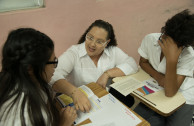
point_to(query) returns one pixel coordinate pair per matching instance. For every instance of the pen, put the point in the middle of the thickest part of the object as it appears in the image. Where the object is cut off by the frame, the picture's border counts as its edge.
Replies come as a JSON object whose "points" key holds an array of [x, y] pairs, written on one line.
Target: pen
{"points": [[71, 105], [64, 106]]}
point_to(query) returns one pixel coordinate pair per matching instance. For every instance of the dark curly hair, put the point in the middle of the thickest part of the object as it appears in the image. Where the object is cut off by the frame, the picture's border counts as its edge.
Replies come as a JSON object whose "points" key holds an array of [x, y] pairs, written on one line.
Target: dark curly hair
{"points": [[105, 25], [181, 28]]}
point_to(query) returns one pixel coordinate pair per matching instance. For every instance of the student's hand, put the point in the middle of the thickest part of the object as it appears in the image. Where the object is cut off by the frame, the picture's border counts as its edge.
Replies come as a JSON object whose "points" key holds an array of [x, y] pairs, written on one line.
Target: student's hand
{"points": [[81, 101], [102, 80], [67, 116], [170, 49], [160, 79]]}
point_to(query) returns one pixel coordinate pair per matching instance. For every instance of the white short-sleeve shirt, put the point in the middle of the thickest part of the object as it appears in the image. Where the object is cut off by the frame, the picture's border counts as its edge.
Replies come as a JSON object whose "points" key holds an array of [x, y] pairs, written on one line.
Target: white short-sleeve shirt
{"points": [[77, 67], [151, 50]]}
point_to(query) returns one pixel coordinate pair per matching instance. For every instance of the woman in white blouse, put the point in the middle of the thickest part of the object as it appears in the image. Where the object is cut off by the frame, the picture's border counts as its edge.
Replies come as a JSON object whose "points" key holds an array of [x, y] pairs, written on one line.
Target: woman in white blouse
{"points": [[94, 59]]}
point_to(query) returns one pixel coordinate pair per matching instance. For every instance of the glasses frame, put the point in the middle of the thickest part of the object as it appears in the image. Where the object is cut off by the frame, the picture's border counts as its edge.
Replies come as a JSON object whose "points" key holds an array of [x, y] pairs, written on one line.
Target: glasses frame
{"points": [[53, 62], [160, 38], [103, 44]]}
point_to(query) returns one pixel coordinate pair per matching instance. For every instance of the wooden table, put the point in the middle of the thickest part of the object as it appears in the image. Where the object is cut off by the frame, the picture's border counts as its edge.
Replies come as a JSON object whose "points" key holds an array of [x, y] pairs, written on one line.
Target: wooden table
{"points": [[99, 91], [139, 97], [157, 101]]}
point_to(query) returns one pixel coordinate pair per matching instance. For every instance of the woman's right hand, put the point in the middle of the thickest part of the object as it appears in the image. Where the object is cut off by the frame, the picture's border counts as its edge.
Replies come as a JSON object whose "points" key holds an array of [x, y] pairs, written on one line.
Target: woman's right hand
{"points": [[81, 101], [67, 116]]}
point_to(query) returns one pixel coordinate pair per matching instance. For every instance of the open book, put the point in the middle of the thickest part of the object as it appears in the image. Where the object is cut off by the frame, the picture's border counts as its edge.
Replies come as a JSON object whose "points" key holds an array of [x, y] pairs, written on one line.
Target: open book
{"points": [[156, 99], [65, 100], [105, 110]]}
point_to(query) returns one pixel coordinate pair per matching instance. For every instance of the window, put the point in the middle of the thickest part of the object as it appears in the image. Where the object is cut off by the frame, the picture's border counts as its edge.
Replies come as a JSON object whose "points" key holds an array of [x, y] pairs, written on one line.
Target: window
{"points": [[11, 5]]}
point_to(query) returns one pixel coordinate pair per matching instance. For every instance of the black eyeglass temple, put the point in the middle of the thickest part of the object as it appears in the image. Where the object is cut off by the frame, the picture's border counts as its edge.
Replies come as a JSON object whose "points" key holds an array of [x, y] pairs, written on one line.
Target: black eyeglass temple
{"points": [[52, 62]]}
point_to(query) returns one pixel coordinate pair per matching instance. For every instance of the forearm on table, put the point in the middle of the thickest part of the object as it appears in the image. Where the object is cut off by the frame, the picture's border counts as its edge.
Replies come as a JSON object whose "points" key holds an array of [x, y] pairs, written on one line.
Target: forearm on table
{"points": [[170, 81], [114, 72], [63, 86], [159, 77]]}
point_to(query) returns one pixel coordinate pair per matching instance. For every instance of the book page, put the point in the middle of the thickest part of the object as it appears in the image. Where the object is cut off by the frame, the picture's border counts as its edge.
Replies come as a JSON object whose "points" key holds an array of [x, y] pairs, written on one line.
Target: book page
{"points": [[87, 91], [65, 100], [113, 112], [127, 85], [141, 75], [100, 124], [150, 86], [95, 106]]}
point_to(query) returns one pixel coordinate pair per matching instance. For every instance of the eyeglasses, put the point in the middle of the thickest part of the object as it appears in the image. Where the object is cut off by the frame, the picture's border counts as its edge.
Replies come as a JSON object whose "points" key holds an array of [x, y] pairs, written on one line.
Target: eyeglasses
{"points": [[55, 62], [97, 42], [160, 38]]}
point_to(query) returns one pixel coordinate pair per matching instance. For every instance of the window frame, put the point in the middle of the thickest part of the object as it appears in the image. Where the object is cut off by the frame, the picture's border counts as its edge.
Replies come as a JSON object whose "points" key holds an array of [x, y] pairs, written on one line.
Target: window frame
{"points": [[5, 5]]}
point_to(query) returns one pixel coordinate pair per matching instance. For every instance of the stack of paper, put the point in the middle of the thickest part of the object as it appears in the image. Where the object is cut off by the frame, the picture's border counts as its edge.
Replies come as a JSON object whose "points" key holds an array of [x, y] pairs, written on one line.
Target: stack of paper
{"points": [[127, 85]]}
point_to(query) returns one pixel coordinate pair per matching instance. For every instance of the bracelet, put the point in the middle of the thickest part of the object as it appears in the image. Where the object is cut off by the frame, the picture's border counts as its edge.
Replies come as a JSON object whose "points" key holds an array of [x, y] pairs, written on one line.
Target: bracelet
{"points": [[73, 92], [106, 72]]}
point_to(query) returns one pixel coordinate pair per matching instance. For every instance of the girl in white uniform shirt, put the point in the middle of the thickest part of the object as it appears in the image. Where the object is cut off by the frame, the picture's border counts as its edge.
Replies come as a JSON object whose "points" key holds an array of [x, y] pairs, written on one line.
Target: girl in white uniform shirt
{"points": [[27, 66], [169, 59], [94, 59]]}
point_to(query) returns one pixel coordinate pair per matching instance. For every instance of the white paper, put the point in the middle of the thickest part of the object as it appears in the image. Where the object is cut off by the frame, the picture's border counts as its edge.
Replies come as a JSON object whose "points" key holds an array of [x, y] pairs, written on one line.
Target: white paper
{"points": [[127, 85], [87, 91], [153, 85], [113, 112], [95, 105], [100, 124]]}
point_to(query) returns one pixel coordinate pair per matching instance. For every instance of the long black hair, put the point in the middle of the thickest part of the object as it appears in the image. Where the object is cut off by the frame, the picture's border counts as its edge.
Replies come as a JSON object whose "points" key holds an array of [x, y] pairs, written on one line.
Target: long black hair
{"points": [[105, 25], [181, 28], [25, 49]]}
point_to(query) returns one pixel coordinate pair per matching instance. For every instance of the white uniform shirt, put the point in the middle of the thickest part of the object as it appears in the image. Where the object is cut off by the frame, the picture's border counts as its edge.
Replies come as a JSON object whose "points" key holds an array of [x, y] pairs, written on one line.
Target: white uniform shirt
{"points": [[77, 67], [13, 116], [151, 50]]}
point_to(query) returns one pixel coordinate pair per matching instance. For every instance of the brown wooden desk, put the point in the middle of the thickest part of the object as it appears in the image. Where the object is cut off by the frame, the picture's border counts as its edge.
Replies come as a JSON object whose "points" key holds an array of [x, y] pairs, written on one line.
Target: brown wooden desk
{"points": [[99, 91], [157, 101]]}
